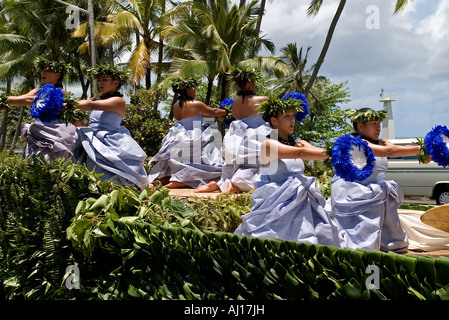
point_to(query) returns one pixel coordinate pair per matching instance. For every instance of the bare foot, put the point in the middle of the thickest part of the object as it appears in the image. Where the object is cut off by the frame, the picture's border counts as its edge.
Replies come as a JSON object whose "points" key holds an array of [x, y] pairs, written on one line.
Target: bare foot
{"points": [[152, 187], [210, 187], [231, 189], [175, 185]]}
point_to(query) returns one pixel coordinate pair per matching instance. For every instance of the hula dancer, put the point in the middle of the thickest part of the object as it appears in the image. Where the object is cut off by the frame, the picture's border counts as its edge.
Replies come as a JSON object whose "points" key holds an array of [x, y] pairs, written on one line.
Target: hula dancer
{"points": [[286, 204], [241, 143], [106, 146], [367, 211], [188, 157], [46, 136]]}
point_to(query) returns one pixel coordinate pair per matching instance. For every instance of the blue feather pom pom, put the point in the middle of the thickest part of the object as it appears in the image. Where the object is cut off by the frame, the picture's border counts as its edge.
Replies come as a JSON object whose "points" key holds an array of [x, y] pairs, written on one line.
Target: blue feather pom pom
{"points": [[342, 158], [436, 146], [226, 104], [47, 103], [305, 105]]}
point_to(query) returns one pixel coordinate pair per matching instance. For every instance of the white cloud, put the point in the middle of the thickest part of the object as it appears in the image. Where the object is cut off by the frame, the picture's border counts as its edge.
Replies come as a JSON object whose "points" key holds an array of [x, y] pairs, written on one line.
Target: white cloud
{"points": [[408, 54]]}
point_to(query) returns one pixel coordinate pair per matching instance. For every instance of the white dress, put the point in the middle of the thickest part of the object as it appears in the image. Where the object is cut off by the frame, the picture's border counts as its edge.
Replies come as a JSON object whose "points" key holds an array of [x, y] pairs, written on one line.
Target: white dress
{"points": [[49, 139], [108, 148], [289, 205], [367, 212], [241, 152], [188, 154]]}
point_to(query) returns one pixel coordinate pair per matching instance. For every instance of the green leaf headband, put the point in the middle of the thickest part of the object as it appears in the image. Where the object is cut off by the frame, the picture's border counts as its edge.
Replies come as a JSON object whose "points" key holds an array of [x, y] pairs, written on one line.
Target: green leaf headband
{"points": [[358, 116], [275, 106], [55, 66], [110, 71], [185, 83], [246, 74]]}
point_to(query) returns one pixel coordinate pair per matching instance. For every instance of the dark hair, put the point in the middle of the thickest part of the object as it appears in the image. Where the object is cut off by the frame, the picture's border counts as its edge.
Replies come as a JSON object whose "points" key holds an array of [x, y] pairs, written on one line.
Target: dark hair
{"points": [[58, 83], [182, 95], [241, 83], [354, 124]]}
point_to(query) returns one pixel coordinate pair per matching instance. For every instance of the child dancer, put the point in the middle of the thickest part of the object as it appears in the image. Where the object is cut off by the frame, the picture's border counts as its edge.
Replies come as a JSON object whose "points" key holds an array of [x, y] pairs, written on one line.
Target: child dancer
{"points": [[45, 138], [241, 144], [367, 211], [188, 156], [286, 204], [106, 146]]}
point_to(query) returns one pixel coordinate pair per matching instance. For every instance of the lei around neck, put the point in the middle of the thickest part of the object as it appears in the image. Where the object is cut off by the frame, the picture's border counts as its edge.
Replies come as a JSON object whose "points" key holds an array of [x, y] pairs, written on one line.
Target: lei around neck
{"points": [[110, 95]]}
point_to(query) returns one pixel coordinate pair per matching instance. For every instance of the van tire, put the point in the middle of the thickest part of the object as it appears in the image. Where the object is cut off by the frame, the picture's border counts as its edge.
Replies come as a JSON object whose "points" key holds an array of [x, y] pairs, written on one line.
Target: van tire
{"points": [[442, 196]]}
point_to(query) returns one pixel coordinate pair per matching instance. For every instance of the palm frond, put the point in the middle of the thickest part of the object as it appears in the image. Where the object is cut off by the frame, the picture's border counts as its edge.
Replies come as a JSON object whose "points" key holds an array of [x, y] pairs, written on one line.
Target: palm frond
{"points": [[139, 62], [125, 19], [400, 5], [314, 7]]}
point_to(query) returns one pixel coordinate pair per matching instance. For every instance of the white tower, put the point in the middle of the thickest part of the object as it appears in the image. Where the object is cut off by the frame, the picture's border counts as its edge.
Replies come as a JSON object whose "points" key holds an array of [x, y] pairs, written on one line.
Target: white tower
{"points": [[388, 123]]}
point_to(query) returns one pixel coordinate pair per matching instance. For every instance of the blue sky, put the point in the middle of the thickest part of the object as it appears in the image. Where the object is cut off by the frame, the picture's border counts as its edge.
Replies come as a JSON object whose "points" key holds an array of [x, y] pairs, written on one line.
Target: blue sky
{"points": [[406, 54]]}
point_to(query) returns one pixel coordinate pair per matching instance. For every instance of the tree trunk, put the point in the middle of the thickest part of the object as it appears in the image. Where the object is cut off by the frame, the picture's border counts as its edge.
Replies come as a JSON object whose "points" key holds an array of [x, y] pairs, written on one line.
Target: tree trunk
{"points": [[261, 13], [224, 85], [3, 129], [84, 84], [327, 42], [258, 25], [161, 49], [18, 128], [210, 83], [147, 41]]}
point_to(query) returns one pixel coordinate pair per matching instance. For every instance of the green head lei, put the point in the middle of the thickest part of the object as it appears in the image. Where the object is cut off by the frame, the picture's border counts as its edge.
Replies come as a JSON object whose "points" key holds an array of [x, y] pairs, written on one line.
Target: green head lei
{"points": [[275, 106], [185, 83], [246, 74], [110, 71], [357, 116], [54, 66]]}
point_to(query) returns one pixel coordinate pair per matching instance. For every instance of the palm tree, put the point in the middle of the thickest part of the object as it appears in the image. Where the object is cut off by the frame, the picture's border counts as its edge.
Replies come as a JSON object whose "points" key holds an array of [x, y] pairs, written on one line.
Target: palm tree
{"points": [[216, 37], [313, 9], [298, 73], [144, 18], [297, 76], [110, 41]]}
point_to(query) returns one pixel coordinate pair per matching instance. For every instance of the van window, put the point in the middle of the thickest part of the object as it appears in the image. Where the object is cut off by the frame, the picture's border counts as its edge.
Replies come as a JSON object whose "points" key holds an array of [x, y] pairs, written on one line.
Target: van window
{"points": [[404, 158]]}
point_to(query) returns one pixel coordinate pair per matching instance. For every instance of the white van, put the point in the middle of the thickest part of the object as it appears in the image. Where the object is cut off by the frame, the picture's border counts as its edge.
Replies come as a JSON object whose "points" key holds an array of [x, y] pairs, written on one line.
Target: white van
{"points": [[415, 179]]}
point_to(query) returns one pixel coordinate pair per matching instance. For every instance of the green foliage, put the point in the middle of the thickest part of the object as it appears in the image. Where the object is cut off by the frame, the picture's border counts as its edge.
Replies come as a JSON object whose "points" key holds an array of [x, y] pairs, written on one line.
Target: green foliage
{"points": [[365, 116], [185, 83], [328, 121], [110, 71], [275, 106], [70, 112], [157, 262], [14, 116], [423, 156], [144, 122], [222, 213], [131, 244], [37, 202], [245, 74], [323, 172], [54, 66]]}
